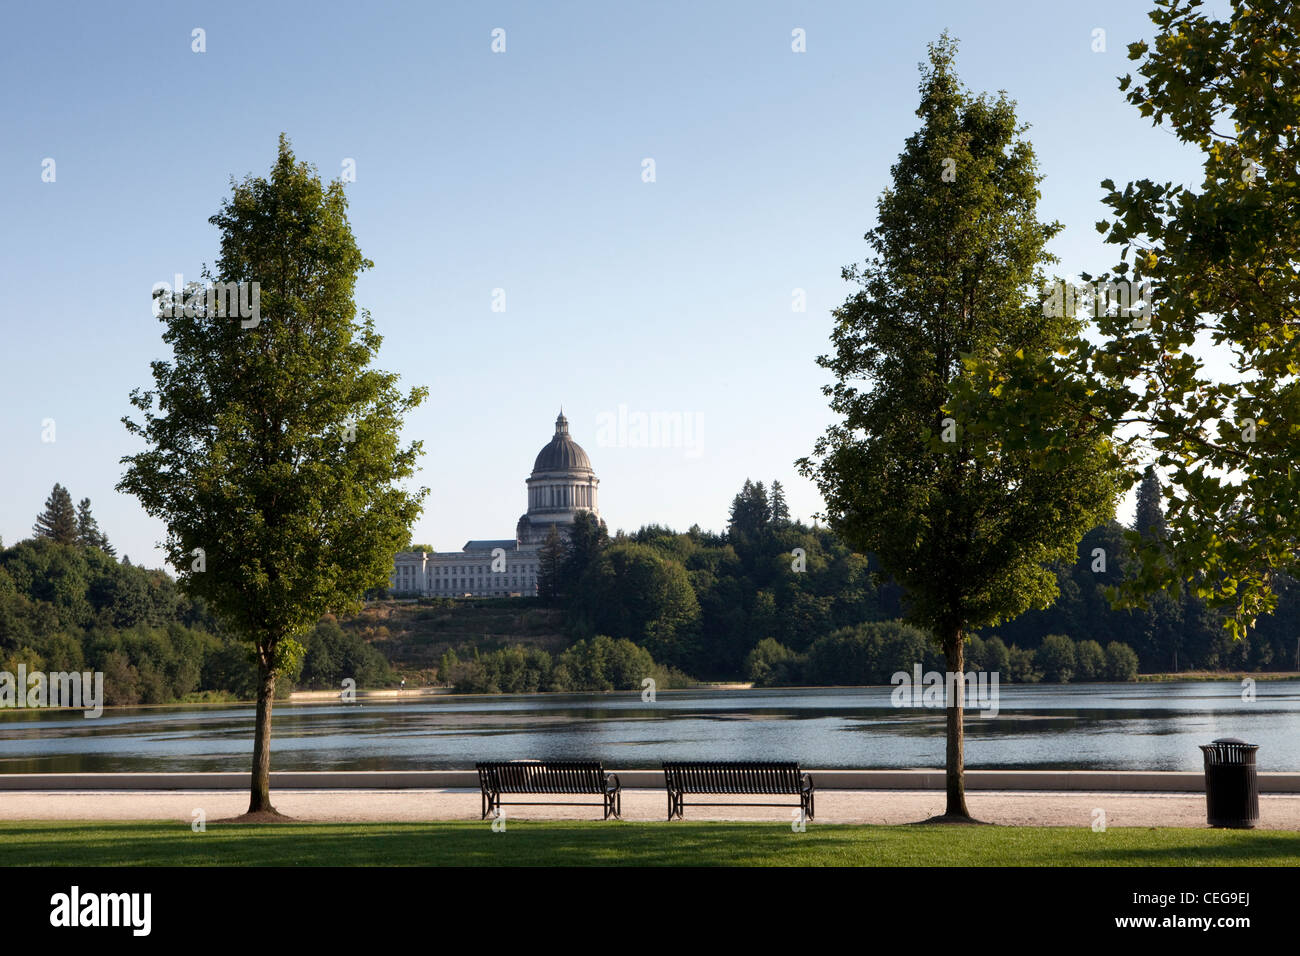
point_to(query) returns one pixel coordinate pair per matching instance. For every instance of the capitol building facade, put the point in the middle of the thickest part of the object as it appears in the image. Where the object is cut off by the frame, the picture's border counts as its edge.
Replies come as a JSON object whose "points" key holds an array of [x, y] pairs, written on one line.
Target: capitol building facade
{"points": [[561, 485]]}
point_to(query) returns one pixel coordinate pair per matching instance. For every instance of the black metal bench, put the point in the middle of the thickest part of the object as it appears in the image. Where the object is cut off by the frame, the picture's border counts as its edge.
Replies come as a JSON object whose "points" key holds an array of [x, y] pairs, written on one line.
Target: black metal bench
{"points": [[559, 777], [739, 778]]}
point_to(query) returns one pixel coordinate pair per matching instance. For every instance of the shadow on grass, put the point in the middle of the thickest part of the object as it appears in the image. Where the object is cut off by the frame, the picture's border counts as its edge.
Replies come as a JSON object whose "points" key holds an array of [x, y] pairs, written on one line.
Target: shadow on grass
{"points": [[632, 844], [1197, 848]]}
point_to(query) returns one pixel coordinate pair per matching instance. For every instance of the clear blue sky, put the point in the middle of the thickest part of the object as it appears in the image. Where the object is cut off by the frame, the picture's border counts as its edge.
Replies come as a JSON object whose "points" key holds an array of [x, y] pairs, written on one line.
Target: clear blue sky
{"points": [[519, 171]]}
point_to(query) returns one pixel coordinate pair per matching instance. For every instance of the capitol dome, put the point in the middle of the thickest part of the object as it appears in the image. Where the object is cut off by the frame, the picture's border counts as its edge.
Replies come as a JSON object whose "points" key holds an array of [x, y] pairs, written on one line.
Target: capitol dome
{"points": [[562, 485], [562, 453]]}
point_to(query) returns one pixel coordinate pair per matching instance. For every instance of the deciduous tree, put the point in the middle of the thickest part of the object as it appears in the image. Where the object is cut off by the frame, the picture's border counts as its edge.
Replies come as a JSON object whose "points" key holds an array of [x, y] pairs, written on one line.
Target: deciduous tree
{"points": [[273, 452], [967, 518]]}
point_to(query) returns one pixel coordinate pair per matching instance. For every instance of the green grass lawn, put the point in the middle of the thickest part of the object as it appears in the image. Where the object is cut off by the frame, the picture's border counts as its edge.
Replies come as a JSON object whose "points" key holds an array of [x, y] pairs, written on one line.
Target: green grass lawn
{"points": [[636, 844]]}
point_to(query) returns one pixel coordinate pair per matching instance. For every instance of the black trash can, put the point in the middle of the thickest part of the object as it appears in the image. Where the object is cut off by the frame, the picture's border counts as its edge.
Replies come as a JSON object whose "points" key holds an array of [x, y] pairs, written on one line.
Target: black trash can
{"points": [[1231, 786]]}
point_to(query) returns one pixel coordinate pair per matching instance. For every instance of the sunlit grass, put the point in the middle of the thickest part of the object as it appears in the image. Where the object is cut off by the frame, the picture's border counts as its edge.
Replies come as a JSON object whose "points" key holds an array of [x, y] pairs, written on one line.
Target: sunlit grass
{"points": [[631, 844]]}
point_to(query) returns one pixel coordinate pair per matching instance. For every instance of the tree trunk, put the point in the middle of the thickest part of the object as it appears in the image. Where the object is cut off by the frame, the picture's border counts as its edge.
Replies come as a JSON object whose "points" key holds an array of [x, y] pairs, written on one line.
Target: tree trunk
{"points": [[955, 653], [260, 798]]}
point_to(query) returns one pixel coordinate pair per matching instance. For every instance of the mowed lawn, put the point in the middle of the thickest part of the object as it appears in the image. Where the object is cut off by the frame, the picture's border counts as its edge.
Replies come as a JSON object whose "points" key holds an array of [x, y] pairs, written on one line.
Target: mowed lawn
{"points": [[631, 844]]}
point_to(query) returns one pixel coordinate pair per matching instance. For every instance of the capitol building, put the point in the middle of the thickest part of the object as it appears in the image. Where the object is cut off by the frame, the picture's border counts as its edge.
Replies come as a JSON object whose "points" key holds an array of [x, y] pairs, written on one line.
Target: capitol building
{"points": [[562, 484]]}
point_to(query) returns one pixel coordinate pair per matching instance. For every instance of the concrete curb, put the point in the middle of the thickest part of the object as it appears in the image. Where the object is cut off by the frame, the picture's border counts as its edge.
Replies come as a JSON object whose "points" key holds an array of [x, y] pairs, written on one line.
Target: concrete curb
{"points": [[1083, 781]]}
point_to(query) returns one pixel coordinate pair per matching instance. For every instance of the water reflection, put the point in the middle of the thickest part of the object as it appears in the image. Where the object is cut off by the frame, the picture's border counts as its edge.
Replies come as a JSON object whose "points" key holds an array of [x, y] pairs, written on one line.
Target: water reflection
{"points": [[1102, 726]]}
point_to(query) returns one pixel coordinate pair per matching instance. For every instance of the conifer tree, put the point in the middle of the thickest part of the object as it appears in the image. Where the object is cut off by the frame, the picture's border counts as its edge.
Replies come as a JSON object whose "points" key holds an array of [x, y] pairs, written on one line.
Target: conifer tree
{"points": [[58, 521], [1149, 519], [88, 532]]}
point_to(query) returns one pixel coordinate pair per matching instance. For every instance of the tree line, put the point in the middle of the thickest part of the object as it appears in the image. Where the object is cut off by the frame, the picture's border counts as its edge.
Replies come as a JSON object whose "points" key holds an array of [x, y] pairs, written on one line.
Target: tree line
{"points": [[67, 603], [704, 602], [600, 663], [873, 652]]}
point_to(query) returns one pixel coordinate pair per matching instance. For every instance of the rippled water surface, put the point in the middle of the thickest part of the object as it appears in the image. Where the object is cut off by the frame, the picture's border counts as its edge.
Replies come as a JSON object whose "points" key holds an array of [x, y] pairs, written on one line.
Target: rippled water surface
{"points": [[1104, 726]]}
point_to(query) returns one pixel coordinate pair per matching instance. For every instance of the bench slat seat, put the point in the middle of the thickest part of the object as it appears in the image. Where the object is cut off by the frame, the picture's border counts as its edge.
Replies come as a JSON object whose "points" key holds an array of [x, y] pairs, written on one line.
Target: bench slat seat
{"points": [[548, 778], [738, 778]]}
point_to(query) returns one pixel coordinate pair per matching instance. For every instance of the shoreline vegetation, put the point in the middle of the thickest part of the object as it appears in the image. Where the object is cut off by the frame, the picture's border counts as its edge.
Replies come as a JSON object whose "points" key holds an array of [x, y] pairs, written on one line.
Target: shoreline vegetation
{"points": [[418, 694], [769, 603]]}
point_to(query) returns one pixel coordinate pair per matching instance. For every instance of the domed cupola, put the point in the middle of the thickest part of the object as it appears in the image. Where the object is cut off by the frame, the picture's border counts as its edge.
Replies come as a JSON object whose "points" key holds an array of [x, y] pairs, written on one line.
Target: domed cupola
{"points": [[561, 485], [562, 453]]}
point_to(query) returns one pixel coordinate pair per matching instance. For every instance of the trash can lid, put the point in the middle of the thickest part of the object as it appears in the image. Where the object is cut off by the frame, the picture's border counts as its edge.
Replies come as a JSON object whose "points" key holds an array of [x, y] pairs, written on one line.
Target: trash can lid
{"points": [[1231, 740]]}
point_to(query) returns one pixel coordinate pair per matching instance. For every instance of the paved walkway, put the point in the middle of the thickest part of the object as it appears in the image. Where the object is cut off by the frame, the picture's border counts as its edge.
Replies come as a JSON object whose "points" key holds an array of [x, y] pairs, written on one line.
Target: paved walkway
{"points": [[1277, 812]]}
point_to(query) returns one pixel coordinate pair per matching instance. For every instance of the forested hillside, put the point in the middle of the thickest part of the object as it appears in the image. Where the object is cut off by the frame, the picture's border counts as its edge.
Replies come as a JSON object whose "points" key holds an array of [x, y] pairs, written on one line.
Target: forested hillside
{"points": [[703, 602], [771, 600]]}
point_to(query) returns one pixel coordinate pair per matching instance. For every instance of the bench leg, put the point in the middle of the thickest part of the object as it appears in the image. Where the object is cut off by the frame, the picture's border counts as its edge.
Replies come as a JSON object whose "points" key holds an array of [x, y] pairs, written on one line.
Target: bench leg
{"points": [[674, 805]]}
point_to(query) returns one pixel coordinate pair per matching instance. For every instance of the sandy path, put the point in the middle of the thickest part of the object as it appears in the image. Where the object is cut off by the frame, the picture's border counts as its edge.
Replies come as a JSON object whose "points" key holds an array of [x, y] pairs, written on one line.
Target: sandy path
{"points": [[1277, 811]]}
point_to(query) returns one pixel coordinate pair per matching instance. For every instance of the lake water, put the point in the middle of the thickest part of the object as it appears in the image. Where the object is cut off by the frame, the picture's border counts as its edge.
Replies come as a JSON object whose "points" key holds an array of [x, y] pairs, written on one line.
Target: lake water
{"points": [[1086, 726]]}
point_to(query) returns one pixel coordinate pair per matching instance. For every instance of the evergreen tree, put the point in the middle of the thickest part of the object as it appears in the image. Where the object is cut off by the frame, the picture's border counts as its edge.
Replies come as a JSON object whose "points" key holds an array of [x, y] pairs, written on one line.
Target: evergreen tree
{"points": [[447, 665], [750, 511], [550, 565], [780, 510], [587, 538], [59, 519], [1149, 519], [738, 518], [762, 507], [88, 532]]}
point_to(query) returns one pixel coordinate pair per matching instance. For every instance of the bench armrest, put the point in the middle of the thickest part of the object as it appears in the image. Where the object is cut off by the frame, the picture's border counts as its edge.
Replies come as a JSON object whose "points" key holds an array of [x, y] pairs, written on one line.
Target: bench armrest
{"points": [[612, 784], [807, 783]]}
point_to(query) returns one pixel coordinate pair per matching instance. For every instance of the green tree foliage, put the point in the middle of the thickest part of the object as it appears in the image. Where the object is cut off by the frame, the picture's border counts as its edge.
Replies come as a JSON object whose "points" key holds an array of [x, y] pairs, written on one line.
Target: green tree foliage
{"points": [[333, 654], [88, 533], [71, 607], [869, 654], [1090, 660], [1219, 259], [1022, 666], [58, 521], [550, 564], [1149, 516], [1055, 659], [631, 591], [772, 664], [1121, 662], [272, 446], [780, 510], [749, 591], [967, 518], [603, 663], [447, 665], [751, 512], [598, 664], [587, 538], [995, 656]]}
